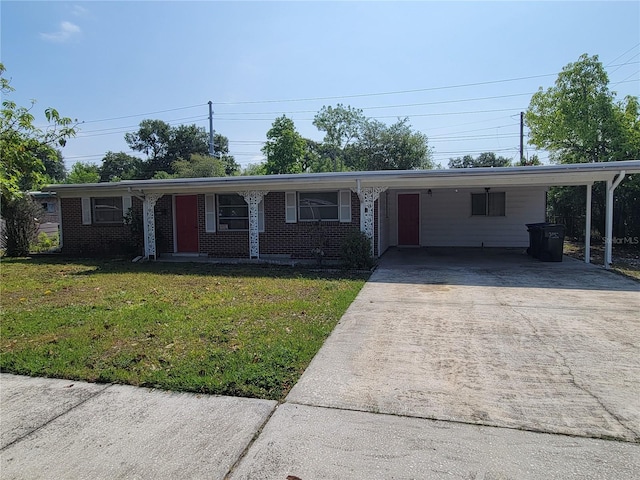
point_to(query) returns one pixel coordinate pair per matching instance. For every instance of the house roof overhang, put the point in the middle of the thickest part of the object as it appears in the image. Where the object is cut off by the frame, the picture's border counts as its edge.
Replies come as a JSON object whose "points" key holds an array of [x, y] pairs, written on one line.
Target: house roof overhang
{"points": [[502, 177]]}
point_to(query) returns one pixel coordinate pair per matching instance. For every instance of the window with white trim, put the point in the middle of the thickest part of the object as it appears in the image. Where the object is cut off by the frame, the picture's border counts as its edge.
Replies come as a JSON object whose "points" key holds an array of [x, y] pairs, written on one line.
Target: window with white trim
{"points": [[314, 206], [489, 204], [318, 206], [107, 209], [233, 213]]}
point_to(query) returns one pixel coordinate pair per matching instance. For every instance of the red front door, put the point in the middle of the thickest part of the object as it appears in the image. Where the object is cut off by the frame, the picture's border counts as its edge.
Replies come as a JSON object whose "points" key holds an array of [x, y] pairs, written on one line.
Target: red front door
{"points": [[409, 219], [187, 223]]}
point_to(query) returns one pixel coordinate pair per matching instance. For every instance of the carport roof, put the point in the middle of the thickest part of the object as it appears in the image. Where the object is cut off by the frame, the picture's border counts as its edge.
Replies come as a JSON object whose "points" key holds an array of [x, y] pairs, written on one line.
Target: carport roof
{"points": [[546, 175]]}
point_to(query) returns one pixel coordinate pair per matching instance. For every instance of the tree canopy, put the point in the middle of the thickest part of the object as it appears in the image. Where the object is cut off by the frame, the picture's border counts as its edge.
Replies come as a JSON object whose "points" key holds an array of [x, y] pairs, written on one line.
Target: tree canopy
{"points": [[23, 146], [120, 166], [579, 120], [285, 148], [486, 159], [84, 173], [166, 146]]}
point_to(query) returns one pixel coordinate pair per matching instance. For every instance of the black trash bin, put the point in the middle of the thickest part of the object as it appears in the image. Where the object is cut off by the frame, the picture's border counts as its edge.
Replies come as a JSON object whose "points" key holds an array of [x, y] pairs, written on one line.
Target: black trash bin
{"points": [[552, 243], [535, 238]]}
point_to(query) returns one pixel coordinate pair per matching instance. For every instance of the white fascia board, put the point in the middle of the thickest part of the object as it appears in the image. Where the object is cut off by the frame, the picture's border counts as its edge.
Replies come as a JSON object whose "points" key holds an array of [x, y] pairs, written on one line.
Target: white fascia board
{"points": [[546, 175]]}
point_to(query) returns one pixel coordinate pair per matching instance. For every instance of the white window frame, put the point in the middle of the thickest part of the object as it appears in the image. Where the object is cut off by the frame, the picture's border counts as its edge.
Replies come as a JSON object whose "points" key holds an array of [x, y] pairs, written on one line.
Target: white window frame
{"points": [[343, 205], [488, 196], [212, 217], [89, 206]]}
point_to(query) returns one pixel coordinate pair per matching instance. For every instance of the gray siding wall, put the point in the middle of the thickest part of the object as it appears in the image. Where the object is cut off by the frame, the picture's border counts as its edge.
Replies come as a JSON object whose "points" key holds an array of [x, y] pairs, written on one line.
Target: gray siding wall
{"points": [[446, 218]]}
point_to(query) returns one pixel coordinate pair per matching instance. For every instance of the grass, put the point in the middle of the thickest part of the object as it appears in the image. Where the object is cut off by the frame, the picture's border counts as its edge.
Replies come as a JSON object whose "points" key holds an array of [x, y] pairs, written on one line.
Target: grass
{"points": [[233, 330]]}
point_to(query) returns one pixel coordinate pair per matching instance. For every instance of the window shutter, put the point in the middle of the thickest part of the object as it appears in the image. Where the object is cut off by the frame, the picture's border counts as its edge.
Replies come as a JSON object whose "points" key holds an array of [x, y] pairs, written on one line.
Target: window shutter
{"points": [[86, 211], [290, 207], [345, 205], [261, 216], [210, 213], [126, 206]]}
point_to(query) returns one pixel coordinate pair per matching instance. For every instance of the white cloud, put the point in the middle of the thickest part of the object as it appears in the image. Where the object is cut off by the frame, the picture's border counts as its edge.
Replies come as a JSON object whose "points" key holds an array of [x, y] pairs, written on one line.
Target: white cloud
{"points": [[79, 11], [67, 31]]}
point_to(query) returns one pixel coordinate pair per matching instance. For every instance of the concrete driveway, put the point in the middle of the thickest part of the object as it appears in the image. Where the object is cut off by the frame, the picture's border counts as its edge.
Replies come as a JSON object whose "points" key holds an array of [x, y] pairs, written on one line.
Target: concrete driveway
{"points": [[487, 337]]}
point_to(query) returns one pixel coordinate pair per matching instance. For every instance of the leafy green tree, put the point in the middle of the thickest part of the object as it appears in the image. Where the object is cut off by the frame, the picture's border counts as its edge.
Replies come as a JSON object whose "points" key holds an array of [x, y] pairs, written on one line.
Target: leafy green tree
{"points": [[23, 148], [284, 149], [152, 139], [486, 159], [23, 145], [165, 145], [342, 126], [84, 173], [317, 157], [199, 166], [254, 169], [221, 151], [529, 162], [578, 120], [394, 147], [120, 166], [54, 169], [186, 140]]}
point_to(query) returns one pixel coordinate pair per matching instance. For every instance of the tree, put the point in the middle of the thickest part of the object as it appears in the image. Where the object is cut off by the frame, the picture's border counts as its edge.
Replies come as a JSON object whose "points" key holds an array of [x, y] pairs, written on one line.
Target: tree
{"points": [[165, 145], [529, 162], [54, 169], [83, 173], [579, 120], [285, 148], [22, 149], [395, 147], [576, 119], [186, 140], [221, 151], [152, 138], [342, 126], [486, 159], [254, 169], [120, 166], [22, 144], [199, 166]]}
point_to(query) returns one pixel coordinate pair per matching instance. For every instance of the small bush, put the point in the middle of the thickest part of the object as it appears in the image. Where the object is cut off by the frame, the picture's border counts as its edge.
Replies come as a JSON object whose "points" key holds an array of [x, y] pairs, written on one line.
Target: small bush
{"points": [[355, 251], [45, 243]]}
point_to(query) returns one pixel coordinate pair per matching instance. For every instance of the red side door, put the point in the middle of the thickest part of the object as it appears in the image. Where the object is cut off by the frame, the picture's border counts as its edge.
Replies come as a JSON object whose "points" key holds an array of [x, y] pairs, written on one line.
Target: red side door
{"points": [[187, 223], [409, 219]]}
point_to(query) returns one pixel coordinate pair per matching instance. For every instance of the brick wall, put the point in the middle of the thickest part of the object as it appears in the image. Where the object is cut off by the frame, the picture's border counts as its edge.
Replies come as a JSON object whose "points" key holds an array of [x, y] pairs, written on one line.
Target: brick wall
{"points": [[296, 240], [96, 240], [164, 224]]}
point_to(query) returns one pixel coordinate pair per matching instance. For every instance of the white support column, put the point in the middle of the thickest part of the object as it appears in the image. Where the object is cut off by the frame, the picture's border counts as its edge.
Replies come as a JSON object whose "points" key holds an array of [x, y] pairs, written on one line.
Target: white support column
{"points": [[587, 227], [149, 224], [253, 199], [608, 241], [368, 197]]}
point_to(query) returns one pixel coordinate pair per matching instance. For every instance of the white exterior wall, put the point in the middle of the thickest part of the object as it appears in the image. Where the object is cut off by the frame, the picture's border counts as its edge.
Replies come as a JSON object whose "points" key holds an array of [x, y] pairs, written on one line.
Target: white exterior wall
{"points": [[446, 220]]}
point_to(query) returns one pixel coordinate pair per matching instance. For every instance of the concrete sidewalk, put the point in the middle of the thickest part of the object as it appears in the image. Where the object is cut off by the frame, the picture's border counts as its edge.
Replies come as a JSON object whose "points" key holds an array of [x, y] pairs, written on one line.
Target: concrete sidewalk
{"points": [[468, 368], [57, 429]]}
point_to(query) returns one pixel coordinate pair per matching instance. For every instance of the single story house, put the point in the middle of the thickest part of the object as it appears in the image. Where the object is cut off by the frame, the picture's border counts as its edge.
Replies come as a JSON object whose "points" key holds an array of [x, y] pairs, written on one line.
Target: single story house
{"points": [[303, 215]]}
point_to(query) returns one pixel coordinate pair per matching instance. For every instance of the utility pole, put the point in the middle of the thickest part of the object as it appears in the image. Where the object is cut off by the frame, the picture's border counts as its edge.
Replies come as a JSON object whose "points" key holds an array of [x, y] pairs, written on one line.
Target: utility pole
{"points": [[210, 128], [521, 137]]}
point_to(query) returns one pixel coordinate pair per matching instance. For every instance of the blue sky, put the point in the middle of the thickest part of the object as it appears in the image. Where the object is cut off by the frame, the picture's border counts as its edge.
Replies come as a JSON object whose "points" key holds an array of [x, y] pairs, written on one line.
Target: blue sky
{"points": [[461, 71]]}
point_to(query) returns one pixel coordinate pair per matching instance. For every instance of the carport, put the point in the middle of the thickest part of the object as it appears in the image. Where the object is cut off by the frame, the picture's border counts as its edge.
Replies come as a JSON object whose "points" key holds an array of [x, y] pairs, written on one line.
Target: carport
{"points": [[437, 208]]}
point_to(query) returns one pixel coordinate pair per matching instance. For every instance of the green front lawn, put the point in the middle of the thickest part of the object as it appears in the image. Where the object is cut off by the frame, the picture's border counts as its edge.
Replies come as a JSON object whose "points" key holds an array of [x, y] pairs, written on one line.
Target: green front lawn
{"points": [[234, 330]]}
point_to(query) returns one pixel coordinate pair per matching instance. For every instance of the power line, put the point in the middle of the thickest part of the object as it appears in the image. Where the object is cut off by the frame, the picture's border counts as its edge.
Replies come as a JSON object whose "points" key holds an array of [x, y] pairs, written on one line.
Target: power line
{"points": [[143, 114]]}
